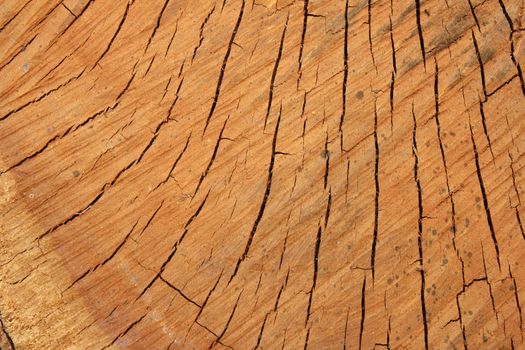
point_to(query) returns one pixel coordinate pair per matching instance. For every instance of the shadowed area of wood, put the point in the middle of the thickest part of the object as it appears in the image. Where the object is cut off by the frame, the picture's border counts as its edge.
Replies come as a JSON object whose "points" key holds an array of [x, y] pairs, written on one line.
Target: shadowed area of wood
{"points": [[271, 174]]}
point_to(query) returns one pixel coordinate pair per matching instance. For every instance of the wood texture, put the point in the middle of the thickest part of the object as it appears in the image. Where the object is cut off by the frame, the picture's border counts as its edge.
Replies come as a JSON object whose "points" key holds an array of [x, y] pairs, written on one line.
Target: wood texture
{"points": [[270, 174]]}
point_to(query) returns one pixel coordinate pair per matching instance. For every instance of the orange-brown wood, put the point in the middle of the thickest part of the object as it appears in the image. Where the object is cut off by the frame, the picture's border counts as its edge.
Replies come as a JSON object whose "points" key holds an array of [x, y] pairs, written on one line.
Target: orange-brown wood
{"points": [[270, 174]]}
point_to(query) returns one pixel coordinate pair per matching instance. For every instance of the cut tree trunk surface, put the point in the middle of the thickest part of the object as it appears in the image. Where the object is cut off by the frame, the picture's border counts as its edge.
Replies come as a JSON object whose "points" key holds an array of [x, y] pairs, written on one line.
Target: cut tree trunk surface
{"points": [[265, 174]]}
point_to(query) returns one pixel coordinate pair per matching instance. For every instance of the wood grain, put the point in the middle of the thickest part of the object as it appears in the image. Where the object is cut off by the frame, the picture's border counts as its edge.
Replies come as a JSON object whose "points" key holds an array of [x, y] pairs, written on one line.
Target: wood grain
{"points": [[271, 174]]}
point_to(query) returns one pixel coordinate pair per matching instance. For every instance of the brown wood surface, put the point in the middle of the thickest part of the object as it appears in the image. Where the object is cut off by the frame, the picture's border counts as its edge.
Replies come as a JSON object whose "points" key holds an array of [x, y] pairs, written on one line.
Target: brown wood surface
{"points": [[265, 174]]}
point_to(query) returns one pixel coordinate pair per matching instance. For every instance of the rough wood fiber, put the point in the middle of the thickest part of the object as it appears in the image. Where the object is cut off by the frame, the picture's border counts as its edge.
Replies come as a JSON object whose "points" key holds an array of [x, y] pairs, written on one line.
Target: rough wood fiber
{"points": [[262, 174]]}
